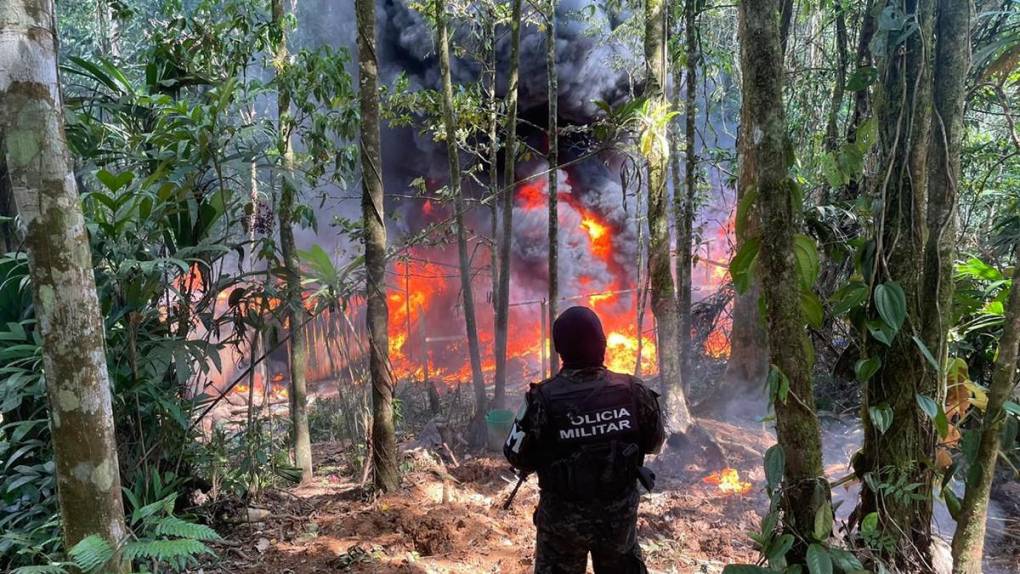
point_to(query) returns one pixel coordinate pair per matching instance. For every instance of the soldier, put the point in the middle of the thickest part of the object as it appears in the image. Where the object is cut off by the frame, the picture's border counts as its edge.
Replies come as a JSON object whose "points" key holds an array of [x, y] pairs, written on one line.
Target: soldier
{"points": [[585, 432]]}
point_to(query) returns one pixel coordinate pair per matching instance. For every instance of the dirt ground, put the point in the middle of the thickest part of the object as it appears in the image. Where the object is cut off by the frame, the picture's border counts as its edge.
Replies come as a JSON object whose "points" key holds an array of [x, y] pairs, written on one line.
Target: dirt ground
{"points": [[447, 516], [450, 521]]}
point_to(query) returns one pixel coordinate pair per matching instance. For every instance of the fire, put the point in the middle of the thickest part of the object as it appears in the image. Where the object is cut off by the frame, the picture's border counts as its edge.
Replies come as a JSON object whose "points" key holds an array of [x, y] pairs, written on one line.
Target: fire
{"points": [[717, 344], [621, 353], [728, 481]]}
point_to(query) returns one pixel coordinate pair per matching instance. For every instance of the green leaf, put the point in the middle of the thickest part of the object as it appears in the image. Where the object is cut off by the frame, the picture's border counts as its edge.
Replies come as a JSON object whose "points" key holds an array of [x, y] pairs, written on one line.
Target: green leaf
{"points": [[775, 466], [845, 561], [974, 268], [881, 417], [91, 553], [818, 560], [881, 332], [742, 264], [114, 182], [866, 368], [927, 354], [928, 405], [862, 78], [942, 423], [806, 252], [891, 303], [953, 503], [811, 305], [777, 553], [745, 569], [743, 212], [846, 298], [823, 522]]}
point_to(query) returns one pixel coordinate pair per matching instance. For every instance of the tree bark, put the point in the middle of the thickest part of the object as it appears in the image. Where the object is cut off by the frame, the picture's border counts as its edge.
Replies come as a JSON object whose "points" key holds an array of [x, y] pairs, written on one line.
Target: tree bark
{"points": [[490, 94], [296, 313], [63, 285], [664, 302], [903, 111], [951, 69], [969, 540], [685, 204], [767, 148], [839, 89], [506, 238], [450, 125], [386, 475], [553, 158]]}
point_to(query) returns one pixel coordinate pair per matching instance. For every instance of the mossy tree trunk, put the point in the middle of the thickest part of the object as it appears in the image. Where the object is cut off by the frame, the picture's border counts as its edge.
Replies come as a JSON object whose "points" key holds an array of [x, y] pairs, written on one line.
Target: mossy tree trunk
{"points": [[660, 273], [767, 148], [507, 201], [297, 315], [386, 475], [450, 126], [899, 454], [553, 158], [63, 285]]}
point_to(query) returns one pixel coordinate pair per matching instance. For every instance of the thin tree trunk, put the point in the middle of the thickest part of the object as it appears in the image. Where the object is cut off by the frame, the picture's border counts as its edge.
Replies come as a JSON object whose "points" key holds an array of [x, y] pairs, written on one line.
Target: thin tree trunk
{"points": [[903, 110], [839, 90], [493, 161], [664, 302], [553, 158], [510, 159], [450, 124], [969, 540], [296, 313], [686, 203], [766, 145], [384, 443], [63, 285]]}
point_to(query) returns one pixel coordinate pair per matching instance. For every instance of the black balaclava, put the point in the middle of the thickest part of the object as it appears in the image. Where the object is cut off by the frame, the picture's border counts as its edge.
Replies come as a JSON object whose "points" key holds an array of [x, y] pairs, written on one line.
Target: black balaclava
{"points": [[579, 339]]}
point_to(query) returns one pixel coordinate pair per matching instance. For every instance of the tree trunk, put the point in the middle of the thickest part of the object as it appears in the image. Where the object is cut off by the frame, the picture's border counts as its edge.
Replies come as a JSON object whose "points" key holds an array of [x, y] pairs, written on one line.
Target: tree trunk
{"points": [[952, 66], [384, 444], [969, 540], [767, 147], [839, 89], [510, 163], [63, 285], [685, 204], [296, 313], [553, 158], [450, 124], [903, 111], [664, 302], [493, 161]]}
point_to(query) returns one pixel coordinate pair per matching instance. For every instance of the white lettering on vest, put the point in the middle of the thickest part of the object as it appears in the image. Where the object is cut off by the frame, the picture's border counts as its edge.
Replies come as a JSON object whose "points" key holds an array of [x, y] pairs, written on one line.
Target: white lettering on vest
{"points": [[598, 423]]}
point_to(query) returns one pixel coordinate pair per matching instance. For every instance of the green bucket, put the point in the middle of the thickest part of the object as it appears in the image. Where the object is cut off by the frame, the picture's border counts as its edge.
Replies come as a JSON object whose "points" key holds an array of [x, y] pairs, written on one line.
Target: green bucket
{"points": [[498, 423]]}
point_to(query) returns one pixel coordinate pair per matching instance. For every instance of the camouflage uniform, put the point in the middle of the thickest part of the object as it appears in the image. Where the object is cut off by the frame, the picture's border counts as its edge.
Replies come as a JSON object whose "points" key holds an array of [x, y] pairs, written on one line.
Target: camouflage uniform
{"points": [[573, 522]]}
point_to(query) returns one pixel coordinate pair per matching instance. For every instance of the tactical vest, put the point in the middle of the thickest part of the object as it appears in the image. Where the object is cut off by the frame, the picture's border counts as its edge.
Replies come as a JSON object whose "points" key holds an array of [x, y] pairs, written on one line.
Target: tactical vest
{"points": [[591, 437]]}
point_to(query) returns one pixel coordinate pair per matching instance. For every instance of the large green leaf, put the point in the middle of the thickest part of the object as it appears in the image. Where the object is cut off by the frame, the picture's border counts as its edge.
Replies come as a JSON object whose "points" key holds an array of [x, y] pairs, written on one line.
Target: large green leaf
{"points": [[881, 417], [866, 368], [818, 560], [742, 264], [775, 466], [808, 266], [891, 303]]}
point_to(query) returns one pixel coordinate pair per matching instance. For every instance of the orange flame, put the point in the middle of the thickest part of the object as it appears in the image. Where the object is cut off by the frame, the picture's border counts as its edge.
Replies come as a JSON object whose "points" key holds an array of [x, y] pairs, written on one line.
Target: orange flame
{"points": [[728, 481]]}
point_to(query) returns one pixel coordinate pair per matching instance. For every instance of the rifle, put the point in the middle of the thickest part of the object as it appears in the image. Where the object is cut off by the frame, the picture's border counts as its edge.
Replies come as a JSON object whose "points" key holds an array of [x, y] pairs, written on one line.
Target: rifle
{"points": [[521, 478]]}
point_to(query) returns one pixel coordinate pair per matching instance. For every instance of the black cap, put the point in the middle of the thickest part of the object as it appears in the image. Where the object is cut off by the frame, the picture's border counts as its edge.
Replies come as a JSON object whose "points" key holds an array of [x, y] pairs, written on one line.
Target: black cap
{"points": [[579, 338]]}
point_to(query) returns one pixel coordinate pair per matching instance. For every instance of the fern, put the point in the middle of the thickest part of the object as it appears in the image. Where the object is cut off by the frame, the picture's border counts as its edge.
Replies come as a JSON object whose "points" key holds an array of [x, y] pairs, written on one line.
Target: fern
{"points": [[175, 527], [48, 569], [91, 553], [165, 550]]}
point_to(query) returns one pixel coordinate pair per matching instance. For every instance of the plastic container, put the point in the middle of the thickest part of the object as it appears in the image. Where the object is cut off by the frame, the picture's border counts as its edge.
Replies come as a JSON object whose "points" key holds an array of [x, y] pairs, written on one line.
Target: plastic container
{"points": [[497, 424]]}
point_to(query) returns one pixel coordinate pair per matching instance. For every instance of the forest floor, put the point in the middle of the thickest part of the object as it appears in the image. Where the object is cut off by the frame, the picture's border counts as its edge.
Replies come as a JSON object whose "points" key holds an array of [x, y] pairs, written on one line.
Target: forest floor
{"points": [[447, 516], [451, 521]]}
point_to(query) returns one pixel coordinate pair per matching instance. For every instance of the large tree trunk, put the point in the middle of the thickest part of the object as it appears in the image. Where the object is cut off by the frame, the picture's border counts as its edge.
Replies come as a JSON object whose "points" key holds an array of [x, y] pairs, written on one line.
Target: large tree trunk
{"points": [[450, 125], [664, 302], [63, 285], [506, 238], [969, 540], [384, 444], [903, 110], [296, 313], [553, 157], [766, 145], [685, 202]]}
